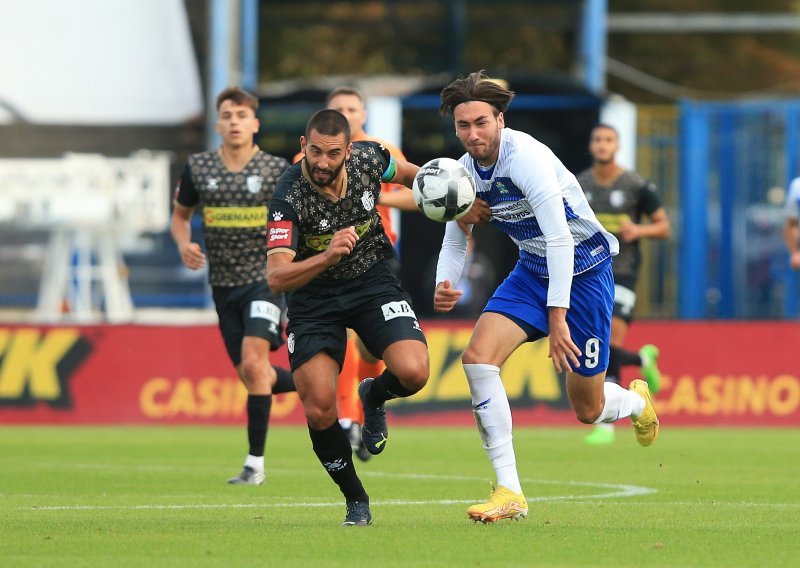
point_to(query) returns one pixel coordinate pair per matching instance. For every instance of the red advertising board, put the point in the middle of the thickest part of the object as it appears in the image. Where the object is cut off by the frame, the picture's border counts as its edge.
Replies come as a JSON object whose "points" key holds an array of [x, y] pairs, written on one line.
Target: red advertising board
{"points": [[738, 374]]}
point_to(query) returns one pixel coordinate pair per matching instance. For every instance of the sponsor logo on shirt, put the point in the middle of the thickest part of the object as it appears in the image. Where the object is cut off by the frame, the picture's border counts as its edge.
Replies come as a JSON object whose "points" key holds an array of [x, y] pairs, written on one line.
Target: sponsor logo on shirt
{"points": [[265, 310], [512, 211], [612, 222], [399, 309], [235, 217], [322, 242], [279, 234]]}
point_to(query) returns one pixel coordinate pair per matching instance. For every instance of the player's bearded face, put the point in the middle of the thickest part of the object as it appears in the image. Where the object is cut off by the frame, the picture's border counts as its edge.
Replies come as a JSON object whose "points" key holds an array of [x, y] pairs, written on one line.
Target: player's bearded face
{"points": [[323, 174]]}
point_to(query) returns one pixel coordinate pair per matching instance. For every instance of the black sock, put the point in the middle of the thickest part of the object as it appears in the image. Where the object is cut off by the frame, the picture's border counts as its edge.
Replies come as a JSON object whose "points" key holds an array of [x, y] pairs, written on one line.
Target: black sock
{"points": [[627, 358], [612, 373], [333, 450], [258, 407], [284, 382], [386, 386]]}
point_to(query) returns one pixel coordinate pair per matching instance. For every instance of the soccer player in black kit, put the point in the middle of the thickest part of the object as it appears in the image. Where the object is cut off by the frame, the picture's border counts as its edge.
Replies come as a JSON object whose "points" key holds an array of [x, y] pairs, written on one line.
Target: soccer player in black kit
{"points": [[621, 198], [328, 250], [234, 185]]}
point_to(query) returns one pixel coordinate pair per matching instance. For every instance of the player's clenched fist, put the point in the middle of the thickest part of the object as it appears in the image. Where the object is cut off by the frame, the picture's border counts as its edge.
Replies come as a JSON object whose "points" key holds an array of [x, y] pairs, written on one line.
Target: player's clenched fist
{"points": [[445, 297], [342, 244]]}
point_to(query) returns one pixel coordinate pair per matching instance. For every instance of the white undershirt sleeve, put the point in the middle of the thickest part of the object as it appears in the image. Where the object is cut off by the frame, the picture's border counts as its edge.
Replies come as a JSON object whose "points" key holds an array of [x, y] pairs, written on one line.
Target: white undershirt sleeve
{"points": [[452, 255], [560, 250]]}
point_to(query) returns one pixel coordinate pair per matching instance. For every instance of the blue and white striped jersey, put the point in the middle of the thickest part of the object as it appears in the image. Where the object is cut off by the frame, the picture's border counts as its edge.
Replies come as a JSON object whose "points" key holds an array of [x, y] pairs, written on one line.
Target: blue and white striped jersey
{"points": [[792, 206], [526, 174]]}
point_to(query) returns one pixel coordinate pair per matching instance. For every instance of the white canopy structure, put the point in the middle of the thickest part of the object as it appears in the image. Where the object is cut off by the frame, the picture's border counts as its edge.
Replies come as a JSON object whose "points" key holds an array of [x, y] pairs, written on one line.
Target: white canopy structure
{"points": [[97, 62]]}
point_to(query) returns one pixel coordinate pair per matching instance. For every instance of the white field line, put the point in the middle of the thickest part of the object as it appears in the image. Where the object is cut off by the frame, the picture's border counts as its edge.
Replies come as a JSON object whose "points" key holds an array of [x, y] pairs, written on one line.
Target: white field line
{"points": [[606, 491], [400, 502], [612, 490]]}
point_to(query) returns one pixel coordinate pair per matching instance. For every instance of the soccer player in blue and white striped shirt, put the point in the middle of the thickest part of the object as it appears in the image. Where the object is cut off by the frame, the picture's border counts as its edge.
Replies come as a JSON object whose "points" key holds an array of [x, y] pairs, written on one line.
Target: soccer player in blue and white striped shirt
{"points": [[791, 233], [561, 287]]}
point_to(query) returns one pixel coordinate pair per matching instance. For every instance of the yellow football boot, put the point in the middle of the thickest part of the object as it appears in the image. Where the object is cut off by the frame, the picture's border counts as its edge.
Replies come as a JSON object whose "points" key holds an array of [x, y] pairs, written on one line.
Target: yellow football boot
{"points": [[646, 425], [502, 504]]}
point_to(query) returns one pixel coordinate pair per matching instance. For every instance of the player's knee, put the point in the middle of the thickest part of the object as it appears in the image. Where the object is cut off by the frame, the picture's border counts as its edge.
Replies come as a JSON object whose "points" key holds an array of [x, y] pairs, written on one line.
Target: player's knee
{"points": [[256, 374], [413, 374], [473, 356], [587, 413], [318, 417]]}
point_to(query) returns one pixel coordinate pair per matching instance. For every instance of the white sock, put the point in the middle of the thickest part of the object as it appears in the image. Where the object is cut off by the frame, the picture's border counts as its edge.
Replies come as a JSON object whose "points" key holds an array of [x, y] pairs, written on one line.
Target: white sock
{"points": [[620, 403], [605, 426], [493, 417], [255, 462]]}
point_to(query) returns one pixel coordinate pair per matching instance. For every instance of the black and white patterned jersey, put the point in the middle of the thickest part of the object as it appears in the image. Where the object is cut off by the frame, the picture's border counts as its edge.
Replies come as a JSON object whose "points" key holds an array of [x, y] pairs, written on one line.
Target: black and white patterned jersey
{"points": [[234, 208], [302, 219], [627, 198]]}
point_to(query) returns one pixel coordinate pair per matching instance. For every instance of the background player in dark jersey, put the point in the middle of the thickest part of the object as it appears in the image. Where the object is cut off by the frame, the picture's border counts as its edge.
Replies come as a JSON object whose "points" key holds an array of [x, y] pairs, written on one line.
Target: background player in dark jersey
{"points": [[234, 185], [621, 198], [328, 249]]}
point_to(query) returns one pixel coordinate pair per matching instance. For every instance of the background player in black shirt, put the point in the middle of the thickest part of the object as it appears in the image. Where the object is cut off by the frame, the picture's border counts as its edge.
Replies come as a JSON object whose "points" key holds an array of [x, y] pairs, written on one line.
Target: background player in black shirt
{"points": [[233, 185], [621, 198], [328, 249]]}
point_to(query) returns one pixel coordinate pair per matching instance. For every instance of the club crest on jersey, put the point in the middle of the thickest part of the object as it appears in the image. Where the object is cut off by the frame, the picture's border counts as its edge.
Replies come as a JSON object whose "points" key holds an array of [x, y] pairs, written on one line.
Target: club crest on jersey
{"points": [[617, 198], [368, 200], [501, 187], [254, 184]]}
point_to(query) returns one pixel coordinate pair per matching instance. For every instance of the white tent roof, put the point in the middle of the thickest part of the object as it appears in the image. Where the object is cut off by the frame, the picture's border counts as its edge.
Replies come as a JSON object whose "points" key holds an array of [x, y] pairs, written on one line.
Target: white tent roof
{"points": [[97, 62]]}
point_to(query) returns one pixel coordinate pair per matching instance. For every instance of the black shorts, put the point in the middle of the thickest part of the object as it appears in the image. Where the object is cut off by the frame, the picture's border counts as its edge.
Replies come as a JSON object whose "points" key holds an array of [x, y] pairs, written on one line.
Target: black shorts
{"points": [[249, 310], [373, 305], [624, 298]]}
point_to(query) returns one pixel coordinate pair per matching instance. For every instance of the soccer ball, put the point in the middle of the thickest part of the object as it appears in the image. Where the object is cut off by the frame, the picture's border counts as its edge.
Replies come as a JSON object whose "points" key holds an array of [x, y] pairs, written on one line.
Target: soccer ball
{"points": [[444, 190]]}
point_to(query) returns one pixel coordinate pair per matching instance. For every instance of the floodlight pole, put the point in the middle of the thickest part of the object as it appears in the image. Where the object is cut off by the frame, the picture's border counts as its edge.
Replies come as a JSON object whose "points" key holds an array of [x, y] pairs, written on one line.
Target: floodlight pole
{"points": [[249, 46], [592, 49]]}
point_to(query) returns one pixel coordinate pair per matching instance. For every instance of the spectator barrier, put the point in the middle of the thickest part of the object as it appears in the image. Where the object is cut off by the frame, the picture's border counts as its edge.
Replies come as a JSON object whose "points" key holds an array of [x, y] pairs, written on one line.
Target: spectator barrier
{"points": [[717, 374]]}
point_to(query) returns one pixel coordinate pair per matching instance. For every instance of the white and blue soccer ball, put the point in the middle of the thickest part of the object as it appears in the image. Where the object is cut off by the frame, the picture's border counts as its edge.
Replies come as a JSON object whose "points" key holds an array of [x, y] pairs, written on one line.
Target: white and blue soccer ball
{"points": [[444, 190]]}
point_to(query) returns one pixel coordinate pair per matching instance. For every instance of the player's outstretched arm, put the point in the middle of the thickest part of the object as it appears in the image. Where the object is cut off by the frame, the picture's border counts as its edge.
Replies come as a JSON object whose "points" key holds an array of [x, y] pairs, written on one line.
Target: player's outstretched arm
{"points": [[401, 198], [284, 275], [404, 173]]}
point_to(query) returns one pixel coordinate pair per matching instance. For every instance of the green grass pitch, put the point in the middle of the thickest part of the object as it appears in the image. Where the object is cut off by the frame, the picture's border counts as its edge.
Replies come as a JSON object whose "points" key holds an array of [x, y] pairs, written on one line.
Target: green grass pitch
{"points": [[116, 496]]}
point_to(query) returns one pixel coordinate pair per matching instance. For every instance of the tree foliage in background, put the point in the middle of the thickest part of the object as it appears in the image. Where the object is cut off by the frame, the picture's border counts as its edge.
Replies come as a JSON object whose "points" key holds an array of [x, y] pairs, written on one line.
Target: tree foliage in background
{"points": [[307, 39], [714, 65], [512, 37]]}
